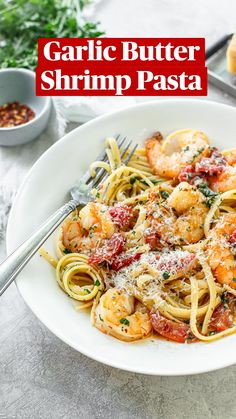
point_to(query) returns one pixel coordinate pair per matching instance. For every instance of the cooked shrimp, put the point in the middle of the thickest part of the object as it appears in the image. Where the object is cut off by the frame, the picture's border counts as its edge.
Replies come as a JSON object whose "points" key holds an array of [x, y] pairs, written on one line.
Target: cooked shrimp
{"points": [[96, 217], [92, 227], [225, 181], [230, 156], [167, 158], [221, 250], [179, 220], [183, 197], [119, 315]]}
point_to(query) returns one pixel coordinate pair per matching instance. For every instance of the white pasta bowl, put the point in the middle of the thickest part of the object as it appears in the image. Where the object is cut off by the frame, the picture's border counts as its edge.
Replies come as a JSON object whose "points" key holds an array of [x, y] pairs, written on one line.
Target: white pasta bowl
{"points": [[44, 190]]}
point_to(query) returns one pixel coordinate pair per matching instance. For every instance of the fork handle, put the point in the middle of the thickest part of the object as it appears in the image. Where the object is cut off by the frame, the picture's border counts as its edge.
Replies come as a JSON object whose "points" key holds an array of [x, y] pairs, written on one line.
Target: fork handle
{"points": [[13, 264]]}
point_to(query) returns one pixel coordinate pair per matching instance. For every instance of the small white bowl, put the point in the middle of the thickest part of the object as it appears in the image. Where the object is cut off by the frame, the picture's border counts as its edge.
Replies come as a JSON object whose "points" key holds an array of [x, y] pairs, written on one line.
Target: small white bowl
{"points": [[18, 84]]}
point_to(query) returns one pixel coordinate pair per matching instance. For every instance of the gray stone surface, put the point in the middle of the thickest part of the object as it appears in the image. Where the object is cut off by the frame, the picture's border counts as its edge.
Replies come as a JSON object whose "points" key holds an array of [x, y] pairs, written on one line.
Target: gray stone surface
{"points": [[40, 376]]}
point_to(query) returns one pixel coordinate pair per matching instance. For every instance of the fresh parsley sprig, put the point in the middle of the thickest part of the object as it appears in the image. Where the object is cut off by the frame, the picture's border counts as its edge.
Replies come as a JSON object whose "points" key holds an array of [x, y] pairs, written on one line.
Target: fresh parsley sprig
{"points": [[209, 194], [23, 22]]}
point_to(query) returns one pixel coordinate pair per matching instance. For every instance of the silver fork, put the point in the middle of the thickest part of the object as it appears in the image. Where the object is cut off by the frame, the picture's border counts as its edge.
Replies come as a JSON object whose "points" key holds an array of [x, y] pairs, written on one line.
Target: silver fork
{"points": [[81, 195]]}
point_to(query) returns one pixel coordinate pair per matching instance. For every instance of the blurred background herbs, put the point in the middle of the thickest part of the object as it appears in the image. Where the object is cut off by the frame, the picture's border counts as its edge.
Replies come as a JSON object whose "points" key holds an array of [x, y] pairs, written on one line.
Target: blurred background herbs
{"points": [[22, 22]]}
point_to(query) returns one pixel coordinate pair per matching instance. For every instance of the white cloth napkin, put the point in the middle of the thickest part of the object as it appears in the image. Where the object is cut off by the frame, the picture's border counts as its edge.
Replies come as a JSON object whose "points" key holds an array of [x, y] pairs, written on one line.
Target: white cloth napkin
{"points": [[82, 109]]}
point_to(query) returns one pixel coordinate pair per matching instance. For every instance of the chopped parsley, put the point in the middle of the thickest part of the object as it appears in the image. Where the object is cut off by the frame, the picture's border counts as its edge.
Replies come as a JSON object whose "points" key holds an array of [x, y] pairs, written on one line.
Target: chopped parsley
{"points": [[208, 193], [66, 251], [234, 279], [86, 290], [225, 300], [198, 152], [143, 182], [164, 194], [124, 321], [93, 227], [155, 181], [97, 283], [166, 275], [101, 318], [132, 180]]}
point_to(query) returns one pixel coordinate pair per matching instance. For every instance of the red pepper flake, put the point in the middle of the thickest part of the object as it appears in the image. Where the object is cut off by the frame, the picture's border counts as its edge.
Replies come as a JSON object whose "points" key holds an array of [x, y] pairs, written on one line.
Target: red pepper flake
{"points": [[14, 114]]}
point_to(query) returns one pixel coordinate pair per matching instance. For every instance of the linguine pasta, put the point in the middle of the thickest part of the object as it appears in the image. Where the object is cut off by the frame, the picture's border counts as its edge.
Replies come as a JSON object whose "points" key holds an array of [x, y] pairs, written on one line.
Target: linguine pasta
{"points": [[155, 252]]}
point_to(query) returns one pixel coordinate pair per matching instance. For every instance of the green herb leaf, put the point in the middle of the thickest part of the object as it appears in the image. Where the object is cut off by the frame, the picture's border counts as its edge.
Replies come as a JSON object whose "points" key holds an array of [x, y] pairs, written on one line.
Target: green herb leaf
{"points": [[156, 181], [164, 194], [186, 148], [225, 300], [86, 290], [97, 283], [198, 152], [23, 22], [143, 182], [208, 193], [166, 275], [211, 333], [124, 321], [133, 180], [66, 251]]}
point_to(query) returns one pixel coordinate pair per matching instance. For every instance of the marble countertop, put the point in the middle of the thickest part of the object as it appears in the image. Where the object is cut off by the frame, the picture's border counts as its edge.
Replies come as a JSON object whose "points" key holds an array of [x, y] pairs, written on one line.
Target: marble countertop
{"points": [[40, 376]]}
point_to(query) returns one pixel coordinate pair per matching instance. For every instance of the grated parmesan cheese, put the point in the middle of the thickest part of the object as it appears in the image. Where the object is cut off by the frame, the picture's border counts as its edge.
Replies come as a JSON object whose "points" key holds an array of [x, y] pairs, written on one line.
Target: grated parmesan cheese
{"points": [[158, 267]]}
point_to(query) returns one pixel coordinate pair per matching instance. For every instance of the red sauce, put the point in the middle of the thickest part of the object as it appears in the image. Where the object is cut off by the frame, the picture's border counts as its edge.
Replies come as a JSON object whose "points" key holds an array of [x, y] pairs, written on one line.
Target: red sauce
{"points": [[14, 114]]}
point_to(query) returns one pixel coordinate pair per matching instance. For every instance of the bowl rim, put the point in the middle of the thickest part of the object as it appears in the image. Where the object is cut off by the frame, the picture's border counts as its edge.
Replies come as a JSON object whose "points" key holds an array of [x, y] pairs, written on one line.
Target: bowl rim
{"points": [[46, 105], [51, 327]]}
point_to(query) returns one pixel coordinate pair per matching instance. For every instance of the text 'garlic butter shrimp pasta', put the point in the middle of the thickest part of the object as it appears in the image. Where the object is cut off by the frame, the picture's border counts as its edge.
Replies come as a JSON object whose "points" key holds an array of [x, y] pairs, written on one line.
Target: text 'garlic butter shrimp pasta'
{"points": [[155, 252]]}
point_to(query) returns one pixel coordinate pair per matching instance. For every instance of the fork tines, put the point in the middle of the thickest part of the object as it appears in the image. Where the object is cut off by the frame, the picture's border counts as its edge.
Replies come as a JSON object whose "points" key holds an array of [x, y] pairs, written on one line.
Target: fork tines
{"points": [[123, 145]]}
